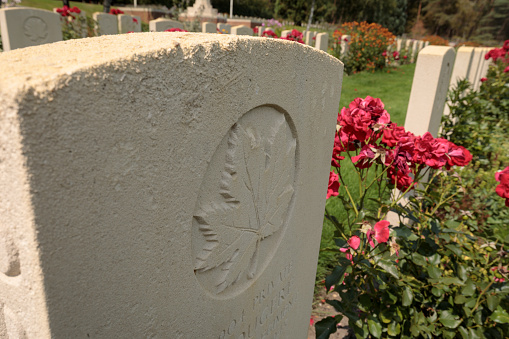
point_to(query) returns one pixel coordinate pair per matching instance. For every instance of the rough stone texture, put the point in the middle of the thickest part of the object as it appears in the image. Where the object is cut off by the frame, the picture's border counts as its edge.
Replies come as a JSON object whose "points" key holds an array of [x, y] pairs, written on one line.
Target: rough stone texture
{"points": [[429, 89], [156, 185], [24, 27], [160, 25], [322, 41], [241, 30], [107, 24], [208, 27], [128, 23], [224, 28]]}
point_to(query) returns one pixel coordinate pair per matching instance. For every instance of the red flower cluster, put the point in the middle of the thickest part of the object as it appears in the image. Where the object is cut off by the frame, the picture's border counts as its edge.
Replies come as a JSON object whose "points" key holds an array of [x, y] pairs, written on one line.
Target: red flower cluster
{"points": [[255, 30], [365, 127], [333, 188], [115, 11], [135, 20], [175, 30], [295, 35], [66, 11], [499, 53], [503, 188], [269, 33]]}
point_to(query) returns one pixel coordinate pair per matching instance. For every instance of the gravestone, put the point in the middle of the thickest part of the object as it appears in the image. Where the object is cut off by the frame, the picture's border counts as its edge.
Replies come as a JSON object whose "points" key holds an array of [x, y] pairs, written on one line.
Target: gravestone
{"points": [[285, 33], [322, 41], [461, 69], [161, 25], [161, 187], [398, 44], [24, 27], [107, 24], [429, 90], [208, 27], [345, 44], [476, 65], [483, 67], [309, 38], [241, 30], [128, 23], [260, 30], [224, 28]]}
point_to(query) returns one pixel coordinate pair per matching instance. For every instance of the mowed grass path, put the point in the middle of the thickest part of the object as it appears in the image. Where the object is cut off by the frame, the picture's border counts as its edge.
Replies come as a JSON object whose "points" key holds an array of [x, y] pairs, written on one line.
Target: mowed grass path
{"points": [[393, 88]]}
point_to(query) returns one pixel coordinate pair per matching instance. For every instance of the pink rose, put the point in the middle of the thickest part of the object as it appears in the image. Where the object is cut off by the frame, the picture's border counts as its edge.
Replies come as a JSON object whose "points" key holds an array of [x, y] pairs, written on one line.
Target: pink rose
{"points": [[354, 242], [333, 185]]}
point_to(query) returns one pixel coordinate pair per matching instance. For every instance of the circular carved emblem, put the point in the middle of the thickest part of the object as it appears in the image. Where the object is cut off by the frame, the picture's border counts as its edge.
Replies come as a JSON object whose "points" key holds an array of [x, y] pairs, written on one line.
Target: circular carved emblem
{"points": [[244, 202], [35, 29]]}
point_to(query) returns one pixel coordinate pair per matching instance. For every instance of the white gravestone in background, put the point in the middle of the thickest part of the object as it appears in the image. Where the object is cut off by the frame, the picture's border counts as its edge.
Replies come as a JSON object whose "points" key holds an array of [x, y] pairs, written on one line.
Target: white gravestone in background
{"points": [[128, 23], [163, 181], [345, 44], [241, 30], [224, 28], [429, 89], [107, 24], [309, 38], [285, 33], [161, 25], [208, 27], [322, 41], [24, 27]]}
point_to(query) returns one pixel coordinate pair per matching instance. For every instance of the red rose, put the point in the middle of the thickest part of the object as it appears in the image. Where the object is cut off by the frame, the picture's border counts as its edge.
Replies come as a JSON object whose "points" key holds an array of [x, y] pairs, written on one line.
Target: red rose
{"points": [[506, 45], [333, 185], [484, 79], [458, 156], [363, 160]]}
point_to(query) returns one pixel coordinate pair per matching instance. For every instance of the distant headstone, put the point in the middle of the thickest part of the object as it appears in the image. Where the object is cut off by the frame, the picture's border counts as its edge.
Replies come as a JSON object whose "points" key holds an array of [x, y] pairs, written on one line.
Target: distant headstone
{"points": [[224, 28], [322, 41], [309, 38], [128, 23], [429, 90], [25, 27], [107, 24], [398, 44], [161, 25], [285, 33], [189, 207], [241, 30], [483, 67], [345, 44], [208, 27], [260, 30]]}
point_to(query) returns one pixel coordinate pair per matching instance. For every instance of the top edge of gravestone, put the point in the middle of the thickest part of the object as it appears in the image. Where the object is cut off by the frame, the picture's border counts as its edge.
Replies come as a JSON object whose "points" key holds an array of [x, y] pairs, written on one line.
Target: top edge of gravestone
{"points": [[42, 67]]}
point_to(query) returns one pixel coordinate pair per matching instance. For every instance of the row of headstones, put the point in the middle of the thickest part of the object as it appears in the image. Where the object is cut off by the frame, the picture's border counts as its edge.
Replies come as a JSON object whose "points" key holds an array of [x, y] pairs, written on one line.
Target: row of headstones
{"points": [[25, 27], [162, 181], [321, 40], [410, 46]]}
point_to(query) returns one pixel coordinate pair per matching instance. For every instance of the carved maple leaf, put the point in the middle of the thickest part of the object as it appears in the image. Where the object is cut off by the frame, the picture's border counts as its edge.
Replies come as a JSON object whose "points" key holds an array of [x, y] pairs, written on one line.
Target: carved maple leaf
{"points": [[257, 186]]}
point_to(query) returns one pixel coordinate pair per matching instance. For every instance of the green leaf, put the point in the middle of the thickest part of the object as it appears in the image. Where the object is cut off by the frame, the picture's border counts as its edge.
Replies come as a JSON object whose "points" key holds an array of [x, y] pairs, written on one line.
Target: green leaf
{"points": [[419, 259], [336, 277], [408, 296], [386, 316], [469, 288], [375, 328], [434, 272], [449, 320], [454, 249], [460, 299], [389, 267], [394, 328], [500, 316], [493, 301], [464, 333], [462, 272], [325, 327]]}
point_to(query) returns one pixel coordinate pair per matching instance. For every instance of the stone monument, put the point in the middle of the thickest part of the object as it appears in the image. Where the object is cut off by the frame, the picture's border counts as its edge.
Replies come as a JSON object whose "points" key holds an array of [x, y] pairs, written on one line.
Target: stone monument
{"points": [[201, 10], [156, 185]]}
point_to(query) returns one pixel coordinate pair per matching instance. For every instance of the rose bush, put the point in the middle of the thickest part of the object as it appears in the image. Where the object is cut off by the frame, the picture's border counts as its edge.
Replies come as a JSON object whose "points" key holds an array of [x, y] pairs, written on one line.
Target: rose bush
{"points": [[418, 274]]}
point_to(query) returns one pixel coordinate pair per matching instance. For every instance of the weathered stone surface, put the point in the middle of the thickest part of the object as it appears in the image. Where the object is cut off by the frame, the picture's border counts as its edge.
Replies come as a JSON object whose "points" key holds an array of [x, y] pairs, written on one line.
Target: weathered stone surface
{"points": [[107, 24], [24, 27], [161, 24], [150, 180], [241, 30], [429, 90]]}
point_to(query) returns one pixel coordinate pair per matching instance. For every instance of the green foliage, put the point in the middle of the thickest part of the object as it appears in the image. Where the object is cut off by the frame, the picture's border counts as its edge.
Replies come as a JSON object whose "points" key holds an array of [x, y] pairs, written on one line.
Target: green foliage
{"points": [[77, 27]]}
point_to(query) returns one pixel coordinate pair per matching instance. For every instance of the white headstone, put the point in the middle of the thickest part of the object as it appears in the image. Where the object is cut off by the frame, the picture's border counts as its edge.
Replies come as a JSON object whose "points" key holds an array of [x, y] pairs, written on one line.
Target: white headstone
{"points": [[309, 38], [398, 44], [107, 24], [461, 69], [134, 211], [128, 23], [224, 28], [260, 30], [322, 41], [161, 25], [475, 67], [241, 30], [285, 33], [208, 27], [429, 90], [25, 27], [483, 67], [345, 44]]}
